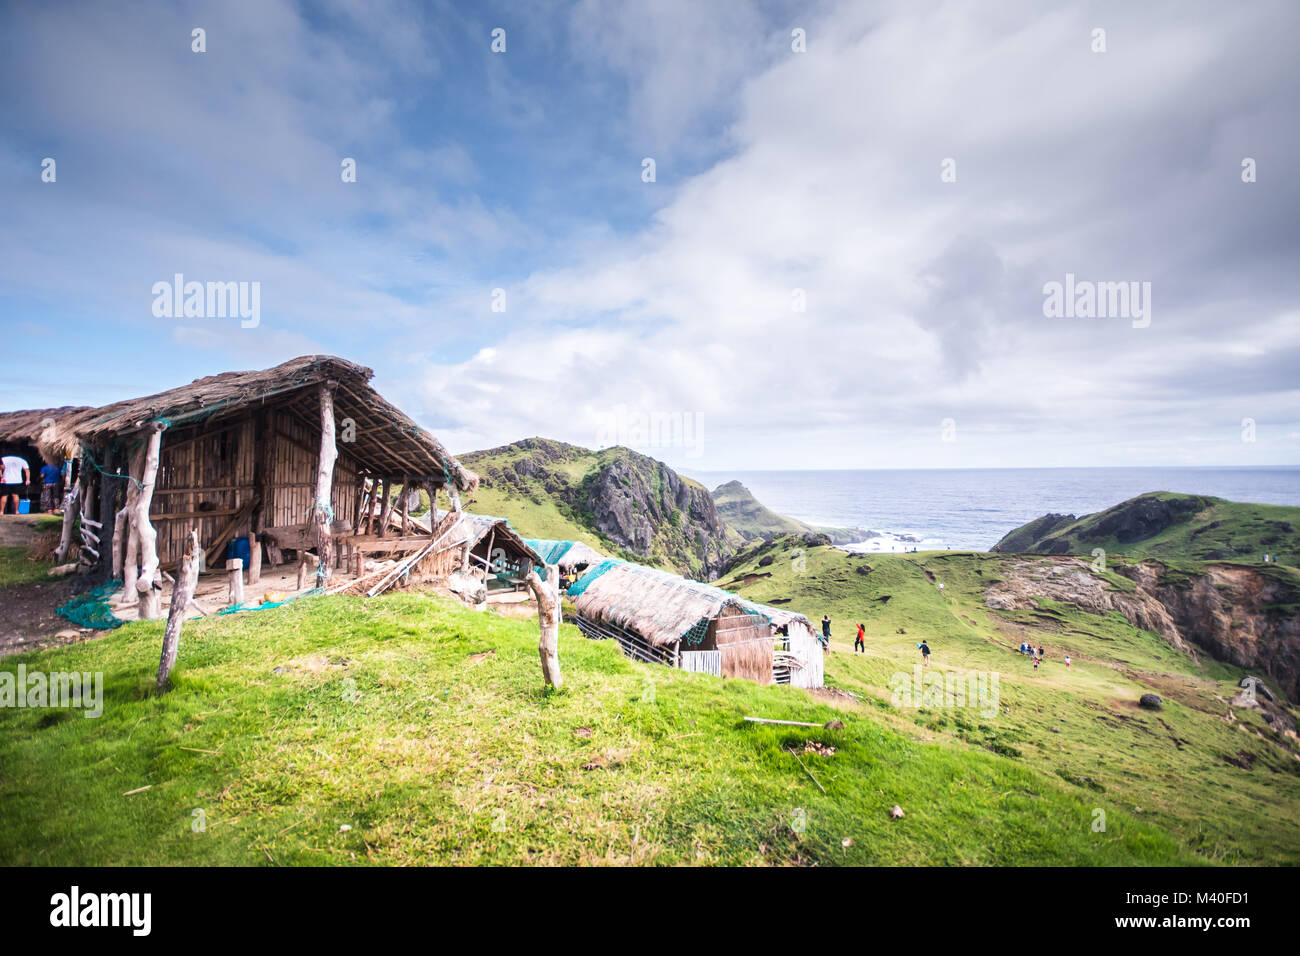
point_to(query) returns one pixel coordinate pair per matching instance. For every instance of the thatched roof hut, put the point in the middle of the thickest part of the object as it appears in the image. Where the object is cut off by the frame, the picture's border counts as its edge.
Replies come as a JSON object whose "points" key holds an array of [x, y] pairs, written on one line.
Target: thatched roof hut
{"points": [[41, 428], [298, 457], [659, 616]]}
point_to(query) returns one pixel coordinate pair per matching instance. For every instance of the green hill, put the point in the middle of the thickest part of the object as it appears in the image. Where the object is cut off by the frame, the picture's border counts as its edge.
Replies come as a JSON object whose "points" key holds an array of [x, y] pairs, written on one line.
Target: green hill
{"points": [[408, 730], [753, 520], [1168, 526], [1214, 774], [616, 500]]}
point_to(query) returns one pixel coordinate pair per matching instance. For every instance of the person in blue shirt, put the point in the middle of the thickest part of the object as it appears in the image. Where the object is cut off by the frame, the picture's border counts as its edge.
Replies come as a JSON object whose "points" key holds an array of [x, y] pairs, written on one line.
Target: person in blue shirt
{"points": [[50, 475]]}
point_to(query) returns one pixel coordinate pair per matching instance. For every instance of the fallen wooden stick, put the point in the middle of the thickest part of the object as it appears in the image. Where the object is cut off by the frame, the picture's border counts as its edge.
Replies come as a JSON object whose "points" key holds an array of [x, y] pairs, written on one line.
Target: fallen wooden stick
{"points": [[791, 723], [809, 772]]}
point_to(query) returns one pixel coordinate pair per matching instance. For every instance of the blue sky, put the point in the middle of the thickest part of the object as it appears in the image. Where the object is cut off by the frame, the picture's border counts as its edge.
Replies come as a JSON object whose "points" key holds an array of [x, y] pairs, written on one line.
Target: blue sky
{"points": [[776, 170]]}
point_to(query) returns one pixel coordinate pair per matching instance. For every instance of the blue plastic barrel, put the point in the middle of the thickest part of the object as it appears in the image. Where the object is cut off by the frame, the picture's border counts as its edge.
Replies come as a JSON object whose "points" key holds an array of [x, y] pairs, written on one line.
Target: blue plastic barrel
{"points": [[238, 548]]}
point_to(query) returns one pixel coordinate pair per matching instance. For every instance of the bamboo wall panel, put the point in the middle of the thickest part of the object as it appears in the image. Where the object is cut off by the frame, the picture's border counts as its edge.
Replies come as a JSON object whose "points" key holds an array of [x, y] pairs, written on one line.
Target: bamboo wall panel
{"points": [[206, 475]]}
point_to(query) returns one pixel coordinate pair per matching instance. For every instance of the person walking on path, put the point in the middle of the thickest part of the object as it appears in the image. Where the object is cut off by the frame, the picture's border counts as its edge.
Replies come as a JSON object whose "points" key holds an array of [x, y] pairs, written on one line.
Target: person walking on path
{"points": [[925, 653], [861, 641]]}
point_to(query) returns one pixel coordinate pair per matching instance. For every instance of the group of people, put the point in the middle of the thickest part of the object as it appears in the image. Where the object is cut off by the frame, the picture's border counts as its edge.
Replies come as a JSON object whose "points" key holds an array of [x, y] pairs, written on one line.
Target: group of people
{"points": [[860, 641], [18, 475], [1038, 653]]}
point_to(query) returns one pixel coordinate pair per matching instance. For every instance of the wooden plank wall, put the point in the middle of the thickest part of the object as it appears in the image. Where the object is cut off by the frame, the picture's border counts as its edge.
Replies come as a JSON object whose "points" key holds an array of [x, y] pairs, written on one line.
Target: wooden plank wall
{"points": [[206, 474]]}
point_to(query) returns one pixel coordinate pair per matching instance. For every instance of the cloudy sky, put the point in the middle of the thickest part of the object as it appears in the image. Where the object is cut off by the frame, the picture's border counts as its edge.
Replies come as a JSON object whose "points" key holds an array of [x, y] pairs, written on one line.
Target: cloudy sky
{"points": [[782, 178]]}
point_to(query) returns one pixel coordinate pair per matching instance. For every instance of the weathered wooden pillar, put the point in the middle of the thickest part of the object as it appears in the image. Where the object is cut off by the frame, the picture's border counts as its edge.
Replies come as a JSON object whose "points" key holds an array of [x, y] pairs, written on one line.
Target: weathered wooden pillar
{"points": [[103, 517], [187, 575], [306, 561], [548, 618], [235, 567], [322, 510], [356, 509], [131, 546], [406, 500], [149, 584], [386, 510], [69, 519], [254, 560]]}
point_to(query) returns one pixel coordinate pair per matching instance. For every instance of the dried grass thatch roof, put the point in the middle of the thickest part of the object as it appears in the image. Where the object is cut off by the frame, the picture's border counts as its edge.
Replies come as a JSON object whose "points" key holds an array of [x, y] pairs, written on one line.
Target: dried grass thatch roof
{"points": [[659, 606], [39, 427], [387, 441], [475, 528]]}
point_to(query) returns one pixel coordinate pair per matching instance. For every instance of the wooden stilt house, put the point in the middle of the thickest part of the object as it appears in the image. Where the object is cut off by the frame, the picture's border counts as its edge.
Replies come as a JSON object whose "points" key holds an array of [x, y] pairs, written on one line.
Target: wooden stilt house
{"points": [[296, 460]]}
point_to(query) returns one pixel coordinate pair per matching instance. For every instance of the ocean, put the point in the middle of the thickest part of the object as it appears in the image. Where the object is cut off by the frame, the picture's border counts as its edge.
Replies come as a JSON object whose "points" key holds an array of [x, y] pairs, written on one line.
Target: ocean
{"points": [[971, 509]]}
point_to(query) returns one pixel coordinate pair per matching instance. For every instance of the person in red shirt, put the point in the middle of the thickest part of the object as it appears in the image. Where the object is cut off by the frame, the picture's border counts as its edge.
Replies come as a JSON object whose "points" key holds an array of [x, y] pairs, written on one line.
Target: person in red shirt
{"points": [[861, 640]]}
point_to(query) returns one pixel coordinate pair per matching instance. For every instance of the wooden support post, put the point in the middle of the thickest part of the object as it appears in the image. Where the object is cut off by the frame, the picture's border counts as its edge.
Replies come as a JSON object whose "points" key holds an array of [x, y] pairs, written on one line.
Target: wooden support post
{"points": [[254, 560], [548, 618], [236, 568], [308, 561], [487, 568], [356, 509], [187, 575], [105, 514], [149, 584], [131, 545], [69, 518], [322, 511], [386, 511], [406, 499], [356, 562]]}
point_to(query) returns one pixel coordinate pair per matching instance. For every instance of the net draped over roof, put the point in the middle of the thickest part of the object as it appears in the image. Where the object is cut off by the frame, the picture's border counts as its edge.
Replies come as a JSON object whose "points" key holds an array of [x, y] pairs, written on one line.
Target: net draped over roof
{"points": [[565, 554]]}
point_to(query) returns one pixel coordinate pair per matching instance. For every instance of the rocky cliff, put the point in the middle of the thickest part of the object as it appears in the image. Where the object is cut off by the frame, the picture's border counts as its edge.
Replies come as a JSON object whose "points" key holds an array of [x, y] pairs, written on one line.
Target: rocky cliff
{"points": [[1168, 526], [629, 501], [1243, 615]]}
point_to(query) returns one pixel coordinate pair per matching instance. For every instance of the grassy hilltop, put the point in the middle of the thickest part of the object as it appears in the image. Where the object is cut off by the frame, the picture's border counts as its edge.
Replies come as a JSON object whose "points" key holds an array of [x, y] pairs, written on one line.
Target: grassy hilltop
{"points": [[1215, 776], [1165, 525], [423, 727]]}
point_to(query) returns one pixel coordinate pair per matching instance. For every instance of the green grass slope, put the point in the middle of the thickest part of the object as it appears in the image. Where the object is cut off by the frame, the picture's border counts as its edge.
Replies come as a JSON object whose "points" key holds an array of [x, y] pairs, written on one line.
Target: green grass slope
{"points": [[409, 730], [1169, 526], [1214, 777]]}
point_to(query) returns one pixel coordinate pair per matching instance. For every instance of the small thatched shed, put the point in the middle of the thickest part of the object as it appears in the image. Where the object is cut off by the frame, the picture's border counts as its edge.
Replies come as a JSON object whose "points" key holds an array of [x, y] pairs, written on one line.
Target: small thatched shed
{"points": [[662, 617], [290, 457], [490, 550]]}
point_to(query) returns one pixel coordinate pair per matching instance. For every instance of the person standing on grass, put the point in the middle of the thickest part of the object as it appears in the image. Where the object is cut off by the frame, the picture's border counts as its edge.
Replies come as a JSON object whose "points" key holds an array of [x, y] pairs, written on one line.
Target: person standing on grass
{"points": [[826, 627], [925, 653], [861, 640]]}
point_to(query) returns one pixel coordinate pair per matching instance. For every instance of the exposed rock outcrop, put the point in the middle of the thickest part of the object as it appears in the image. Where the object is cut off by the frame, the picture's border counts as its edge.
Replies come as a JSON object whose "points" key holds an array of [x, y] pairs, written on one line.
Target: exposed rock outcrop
{"points": [[1242, 615]]}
